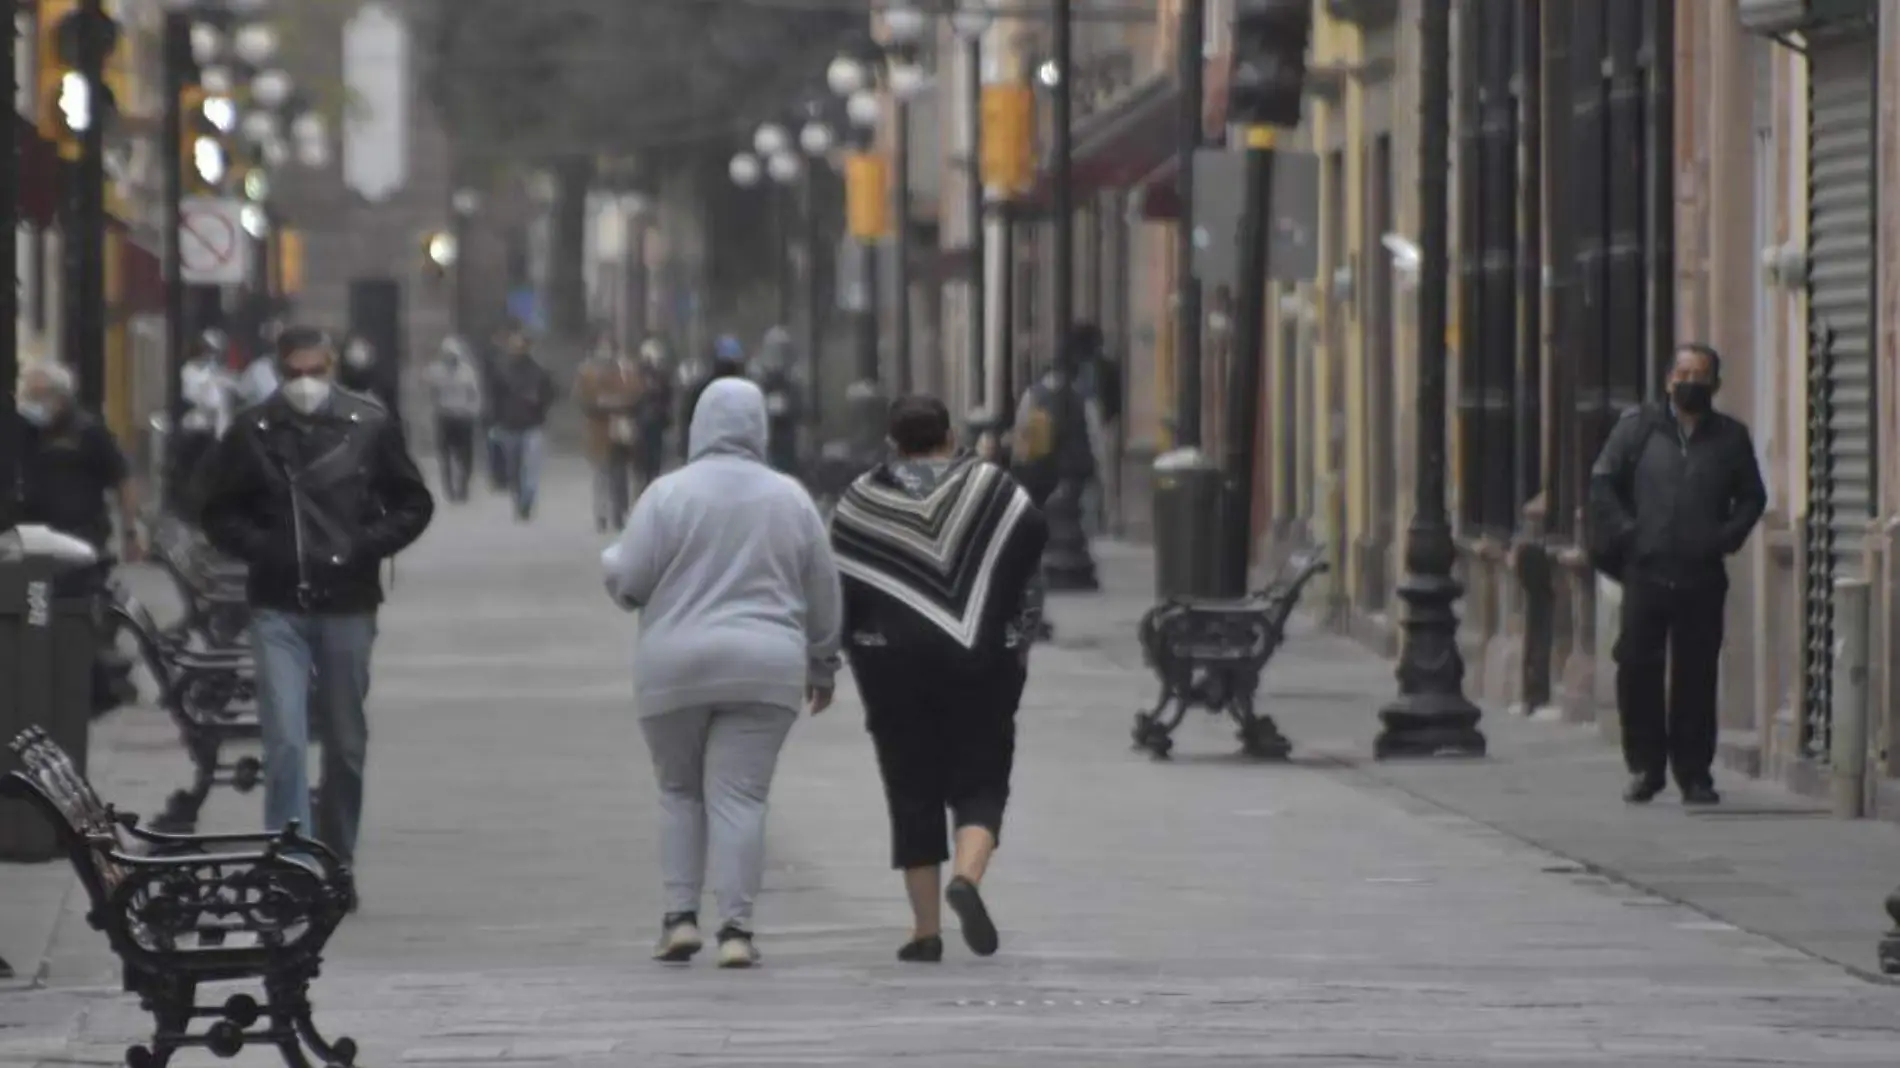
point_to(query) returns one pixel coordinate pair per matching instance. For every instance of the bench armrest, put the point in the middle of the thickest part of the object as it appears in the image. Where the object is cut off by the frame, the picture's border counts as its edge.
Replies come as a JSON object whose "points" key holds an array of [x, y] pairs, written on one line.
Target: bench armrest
{"points": [[279, 842]]}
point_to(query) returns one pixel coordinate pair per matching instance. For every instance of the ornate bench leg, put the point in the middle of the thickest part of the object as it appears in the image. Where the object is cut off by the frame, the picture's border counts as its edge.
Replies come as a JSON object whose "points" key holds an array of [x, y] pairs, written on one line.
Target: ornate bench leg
{"points": [[293, 1000], [182, 808], [1890, 943], [1260, 737]]}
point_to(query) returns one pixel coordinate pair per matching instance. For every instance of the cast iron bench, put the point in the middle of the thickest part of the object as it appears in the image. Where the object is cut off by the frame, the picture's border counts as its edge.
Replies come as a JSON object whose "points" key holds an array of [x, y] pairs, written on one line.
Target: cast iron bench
{"points": [[181, 911], [1210, 654], [211, 588], [210, 695]]}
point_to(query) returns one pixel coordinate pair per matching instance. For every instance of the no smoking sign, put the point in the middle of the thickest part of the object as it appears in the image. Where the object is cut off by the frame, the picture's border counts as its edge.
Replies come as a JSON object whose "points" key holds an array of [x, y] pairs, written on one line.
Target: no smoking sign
{"points": [[213, 248]]}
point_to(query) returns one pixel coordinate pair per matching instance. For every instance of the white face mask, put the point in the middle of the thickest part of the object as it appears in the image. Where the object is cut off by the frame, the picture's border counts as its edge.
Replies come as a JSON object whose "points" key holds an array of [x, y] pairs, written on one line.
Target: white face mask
{"points": [[306, 394], [34, 412]]}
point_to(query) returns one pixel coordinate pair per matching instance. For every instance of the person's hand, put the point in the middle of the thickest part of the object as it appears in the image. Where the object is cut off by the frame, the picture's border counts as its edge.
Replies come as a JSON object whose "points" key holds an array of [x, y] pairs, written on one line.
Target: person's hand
{"points": [[818, 698]]}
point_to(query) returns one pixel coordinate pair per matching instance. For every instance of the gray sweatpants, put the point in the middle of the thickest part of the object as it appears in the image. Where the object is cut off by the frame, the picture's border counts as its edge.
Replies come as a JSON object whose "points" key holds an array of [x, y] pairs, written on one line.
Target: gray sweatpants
{"points": [[714, 766]]}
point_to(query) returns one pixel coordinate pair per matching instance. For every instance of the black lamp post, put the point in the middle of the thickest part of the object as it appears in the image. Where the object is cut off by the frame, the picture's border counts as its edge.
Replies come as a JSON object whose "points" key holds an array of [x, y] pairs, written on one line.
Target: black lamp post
{"points": [[1431, 715], [1067, 564]]}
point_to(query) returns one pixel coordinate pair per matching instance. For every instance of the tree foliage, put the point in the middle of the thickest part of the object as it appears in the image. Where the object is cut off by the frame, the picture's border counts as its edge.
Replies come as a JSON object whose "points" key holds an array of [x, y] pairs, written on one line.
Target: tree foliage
{"points": [[539, 80]]}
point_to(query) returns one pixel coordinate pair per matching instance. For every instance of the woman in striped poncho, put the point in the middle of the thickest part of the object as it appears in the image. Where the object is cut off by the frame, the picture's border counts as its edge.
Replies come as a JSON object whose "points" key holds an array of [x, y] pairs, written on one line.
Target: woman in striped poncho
{"points": [[938, 553]]}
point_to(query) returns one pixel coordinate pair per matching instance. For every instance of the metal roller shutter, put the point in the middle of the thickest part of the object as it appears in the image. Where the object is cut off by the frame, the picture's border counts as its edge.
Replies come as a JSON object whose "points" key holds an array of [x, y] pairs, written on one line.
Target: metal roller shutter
{"points": [[1841, 94]]}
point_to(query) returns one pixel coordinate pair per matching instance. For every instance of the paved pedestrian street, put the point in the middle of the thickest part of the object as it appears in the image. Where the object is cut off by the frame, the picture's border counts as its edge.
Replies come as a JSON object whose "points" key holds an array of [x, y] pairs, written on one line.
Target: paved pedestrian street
{"points": [[1197, 912]]}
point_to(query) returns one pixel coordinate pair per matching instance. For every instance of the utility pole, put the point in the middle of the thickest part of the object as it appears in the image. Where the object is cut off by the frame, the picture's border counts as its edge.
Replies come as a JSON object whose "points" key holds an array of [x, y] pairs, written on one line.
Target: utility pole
{"points": [[1431, 715], [1243, 376], [900, 245], [1191, 62], [9, 308], [174, 58], [814, 313], [85, 239], [979, 243]]}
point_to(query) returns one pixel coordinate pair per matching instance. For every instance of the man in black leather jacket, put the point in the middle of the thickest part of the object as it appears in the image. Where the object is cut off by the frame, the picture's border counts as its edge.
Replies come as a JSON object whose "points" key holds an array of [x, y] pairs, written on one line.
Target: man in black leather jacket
{"points": [[314, 489], [1676, 489]]}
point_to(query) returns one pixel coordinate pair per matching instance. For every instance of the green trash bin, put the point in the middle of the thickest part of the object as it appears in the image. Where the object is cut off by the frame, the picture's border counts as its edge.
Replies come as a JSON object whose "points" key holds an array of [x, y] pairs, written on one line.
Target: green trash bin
{"points": [[47, 646], [1187, 510]]}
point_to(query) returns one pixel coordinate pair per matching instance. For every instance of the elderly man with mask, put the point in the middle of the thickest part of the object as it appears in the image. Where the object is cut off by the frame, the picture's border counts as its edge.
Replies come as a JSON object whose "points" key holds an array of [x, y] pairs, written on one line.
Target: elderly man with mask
{"points": [[314, 489], [70, 468]]}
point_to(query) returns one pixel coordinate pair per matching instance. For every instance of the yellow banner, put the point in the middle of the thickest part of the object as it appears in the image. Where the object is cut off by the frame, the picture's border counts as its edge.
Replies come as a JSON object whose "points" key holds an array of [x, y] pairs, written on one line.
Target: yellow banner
{"points": [[289, 262], [1009, 137], [867, 200]]}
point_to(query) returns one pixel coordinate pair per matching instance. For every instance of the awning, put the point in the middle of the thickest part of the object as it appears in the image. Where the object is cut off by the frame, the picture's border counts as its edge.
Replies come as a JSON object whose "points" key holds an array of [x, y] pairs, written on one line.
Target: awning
{"points": [[42, 174], [1115, 147]]}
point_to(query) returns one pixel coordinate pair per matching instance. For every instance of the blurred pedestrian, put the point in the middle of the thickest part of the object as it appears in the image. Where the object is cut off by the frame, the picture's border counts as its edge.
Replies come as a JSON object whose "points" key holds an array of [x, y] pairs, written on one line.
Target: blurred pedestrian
{"points": [[783, 408], [607, 390], [727, 563], [939, 553], [1676, 489], [655, 413], [523, 394], [455, 393], [492, 355], [313, 490], [728, 361]]}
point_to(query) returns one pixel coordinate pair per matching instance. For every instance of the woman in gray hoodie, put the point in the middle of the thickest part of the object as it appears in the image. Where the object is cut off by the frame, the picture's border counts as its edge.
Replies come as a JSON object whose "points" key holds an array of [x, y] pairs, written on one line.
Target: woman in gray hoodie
{"points": [[728, 564]]}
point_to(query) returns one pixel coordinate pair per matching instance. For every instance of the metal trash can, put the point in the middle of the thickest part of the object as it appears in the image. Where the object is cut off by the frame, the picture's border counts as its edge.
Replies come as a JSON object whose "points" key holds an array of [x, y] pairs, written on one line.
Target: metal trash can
{"points": [[1187, 513], [47, 646]]}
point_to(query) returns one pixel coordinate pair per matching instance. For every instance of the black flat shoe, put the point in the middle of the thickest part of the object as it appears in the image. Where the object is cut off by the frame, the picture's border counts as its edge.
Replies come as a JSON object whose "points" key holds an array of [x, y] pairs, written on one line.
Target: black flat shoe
{"points": [[1642, 790], [1700, 794], [979, 932], [922, 950]]}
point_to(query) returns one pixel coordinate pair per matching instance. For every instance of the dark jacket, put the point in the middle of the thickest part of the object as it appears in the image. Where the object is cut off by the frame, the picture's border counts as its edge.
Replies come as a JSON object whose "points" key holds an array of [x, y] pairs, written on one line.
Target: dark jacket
{"points": [[1667, 507], [314, 504], [66, 470], [523, 393]]}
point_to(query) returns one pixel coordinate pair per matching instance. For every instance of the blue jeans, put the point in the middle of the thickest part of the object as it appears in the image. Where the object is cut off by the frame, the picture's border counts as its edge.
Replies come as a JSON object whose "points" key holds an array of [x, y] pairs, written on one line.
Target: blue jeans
{"points": [[301, 657], [521, 458]]}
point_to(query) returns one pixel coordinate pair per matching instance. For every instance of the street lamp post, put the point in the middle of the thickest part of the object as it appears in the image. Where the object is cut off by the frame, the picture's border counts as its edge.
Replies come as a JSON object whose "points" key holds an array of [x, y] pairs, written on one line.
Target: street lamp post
{"points": [[905, 27], [463, 204], [1431, 715], [850, 79], [815, 138], [971, 22], [1067, 565]]}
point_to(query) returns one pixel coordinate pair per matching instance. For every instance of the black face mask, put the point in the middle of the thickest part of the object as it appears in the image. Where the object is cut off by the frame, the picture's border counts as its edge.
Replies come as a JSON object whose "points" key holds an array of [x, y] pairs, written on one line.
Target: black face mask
{"points": [[1692, 398]]}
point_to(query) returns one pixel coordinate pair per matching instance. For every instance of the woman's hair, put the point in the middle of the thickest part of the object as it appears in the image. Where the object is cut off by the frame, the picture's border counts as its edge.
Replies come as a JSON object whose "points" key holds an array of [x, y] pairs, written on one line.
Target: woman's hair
{"points": [[919, 425]]}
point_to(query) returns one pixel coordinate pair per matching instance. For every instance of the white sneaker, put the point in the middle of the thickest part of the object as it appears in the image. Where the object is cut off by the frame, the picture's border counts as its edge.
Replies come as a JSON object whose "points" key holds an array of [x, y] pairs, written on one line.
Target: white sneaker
{"points": [[679, 942], [736, 949]]}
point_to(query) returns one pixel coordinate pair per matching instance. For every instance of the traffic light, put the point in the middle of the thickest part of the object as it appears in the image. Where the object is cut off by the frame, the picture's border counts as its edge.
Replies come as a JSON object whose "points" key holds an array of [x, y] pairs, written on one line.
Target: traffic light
{"points": [[1269, 75], [201, 145], [50, 71], [65, 104]]}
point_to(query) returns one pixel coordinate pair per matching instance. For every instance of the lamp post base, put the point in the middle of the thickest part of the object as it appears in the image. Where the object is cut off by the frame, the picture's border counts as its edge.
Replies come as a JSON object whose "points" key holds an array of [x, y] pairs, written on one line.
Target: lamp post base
{"points": [[1067, 564], [1431, 716]]}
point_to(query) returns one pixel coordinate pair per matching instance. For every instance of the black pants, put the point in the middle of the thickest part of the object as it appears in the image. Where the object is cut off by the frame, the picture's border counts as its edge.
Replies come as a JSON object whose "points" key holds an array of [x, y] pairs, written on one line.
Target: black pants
{"points": [[944, 741], [455, 451], [1671, 641], [497, 460]]}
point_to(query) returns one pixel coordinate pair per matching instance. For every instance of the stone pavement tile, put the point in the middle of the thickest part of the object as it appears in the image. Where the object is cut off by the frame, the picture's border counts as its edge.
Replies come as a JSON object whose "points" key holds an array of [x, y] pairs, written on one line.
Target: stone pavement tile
{"points": [[1206, 911]]}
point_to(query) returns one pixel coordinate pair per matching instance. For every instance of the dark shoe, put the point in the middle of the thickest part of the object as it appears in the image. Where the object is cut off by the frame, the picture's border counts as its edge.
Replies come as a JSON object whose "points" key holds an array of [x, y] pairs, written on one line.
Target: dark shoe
{"points": [[1642, 789], [736, 949], [922, 950], [979, 932], [1700, 794], [679, 938]]}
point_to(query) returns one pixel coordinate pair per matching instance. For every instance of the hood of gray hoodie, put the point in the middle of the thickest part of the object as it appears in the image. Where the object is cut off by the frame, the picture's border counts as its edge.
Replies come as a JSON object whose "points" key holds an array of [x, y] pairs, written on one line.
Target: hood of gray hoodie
{"points": [[729, 420]]}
